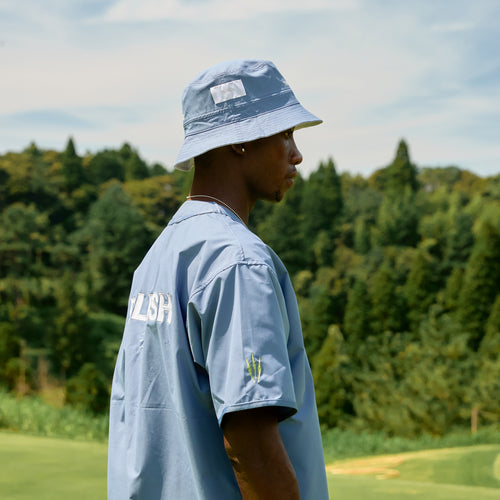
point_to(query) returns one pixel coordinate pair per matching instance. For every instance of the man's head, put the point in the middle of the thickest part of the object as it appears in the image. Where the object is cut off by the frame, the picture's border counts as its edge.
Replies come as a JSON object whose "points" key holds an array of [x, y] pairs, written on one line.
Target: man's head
{"points": [[238, 102]]}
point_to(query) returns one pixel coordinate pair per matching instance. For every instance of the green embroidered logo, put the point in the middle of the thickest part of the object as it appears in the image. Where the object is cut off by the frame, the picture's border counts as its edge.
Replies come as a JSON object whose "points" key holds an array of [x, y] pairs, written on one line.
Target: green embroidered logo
{"points": [[254, 369]]}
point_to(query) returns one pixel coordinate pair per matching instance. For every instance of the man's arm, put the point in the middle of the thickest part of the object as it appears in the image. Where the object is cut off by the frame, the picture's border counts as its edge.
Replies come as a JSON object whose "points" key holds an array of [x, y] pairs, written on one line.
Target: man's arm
{"points": [[260, 462]]}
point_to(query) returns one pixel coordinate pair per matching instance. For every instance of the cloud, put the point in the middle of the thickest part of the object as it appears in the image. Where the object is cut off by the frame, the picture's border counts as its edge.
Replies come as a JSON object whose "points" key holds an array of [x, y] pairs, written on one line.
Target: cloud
{"points": [[213, 10], [454, 27], [51, 118], [32, 10], [374, 71]]}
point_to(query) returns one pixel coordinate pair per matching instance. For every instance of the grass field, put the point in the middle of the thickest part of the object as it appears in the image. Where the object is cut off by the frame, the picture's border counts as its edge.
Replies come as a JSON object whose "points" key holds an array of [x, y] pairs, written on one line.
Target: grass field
{"points": [[51, 469], [57, 469], [471, 473]]}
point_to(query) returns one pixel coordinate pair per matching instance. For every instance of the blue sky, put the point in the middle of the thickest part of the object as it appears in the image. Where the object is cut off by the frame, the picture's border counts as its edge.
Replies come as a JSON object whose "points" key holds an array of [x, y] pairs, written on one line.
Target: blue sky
{"points": [[376, 71]]}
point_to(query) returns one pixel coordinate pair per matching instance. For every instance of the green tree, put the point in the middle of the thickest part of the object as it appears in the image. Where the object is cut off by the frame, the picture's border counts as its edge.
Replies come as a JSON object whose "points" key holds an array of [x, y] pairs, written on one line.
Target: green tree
{"points": [[357, 318], [485, 390], [321, 205], [69, 337], [287, 241], [322, 309], [24, 245], [388, 305], [490, 345], [25, 178], [400, 174], [421, 287], [183, 180], [116, 237], [432, 179], [482, 276], [158, 170], [135, 166], [397, 220], [459, 237], [448, 296], [4, 177], [375, 382], [360, 206], [406, 386], [361, 236], [433, 228], [330, 373], [157, 199], [106, 165], [316, 319], [10, 353], [88, 390], [438, 371], [72, 167], [360, 199]]}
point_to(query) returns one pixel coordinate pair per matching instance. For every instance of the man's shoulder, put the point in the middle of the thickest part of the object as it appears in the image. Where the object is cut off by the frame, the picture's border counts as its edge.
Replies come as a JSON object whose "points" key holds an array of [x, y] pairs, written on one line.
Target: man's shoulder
{"points": [[219, 232], [202, 241]]}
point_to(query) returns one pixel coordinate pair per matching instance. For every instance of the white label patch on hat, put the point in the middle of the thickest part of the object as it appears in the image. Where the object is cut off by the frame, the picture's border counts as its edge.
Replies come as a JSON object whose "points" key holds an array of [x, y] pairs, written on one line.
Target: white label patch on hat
{"points": [[227, 91]]}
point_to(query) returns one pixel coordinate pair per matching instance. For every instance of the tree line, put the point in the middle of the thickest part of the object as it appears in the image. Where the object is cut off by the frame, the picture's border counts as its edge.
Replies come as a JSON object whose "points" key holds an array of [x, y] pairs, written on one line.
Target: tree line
{"points": [[397, 278]]}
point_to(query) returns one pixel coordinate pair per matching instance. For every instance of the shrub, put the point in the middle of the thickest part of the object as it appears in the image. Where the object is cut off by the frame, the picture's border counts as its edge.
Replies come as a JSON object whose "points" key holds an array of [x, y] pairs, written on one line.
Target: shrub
{"points": [[31, 415], [88, 390]]}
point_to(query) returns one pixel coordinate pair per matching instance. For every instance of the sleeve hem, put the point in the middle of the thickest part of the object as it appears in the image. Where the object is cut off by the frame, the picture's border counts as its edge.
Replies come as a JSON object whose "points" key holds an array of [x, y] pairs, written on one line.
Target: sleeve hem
{"points": [[286, 408]]}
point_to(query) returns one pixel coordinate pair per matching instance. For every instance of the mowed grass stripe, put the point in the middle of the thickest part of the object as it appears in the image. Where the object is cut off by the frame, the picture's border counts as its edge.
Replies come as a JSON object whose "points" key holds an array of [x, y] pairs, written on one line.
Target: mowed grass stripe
{"points": [[56, 469], [51, 469], [454, 473], [460, 466], [370, 488]]}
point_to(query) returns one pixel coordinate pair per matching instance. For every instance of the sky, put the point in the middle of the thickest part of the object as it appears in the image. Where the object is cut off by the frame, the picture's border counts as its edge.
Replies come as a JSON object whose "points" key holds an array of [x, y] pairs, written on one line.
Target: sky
{"points": [[107, 72]]}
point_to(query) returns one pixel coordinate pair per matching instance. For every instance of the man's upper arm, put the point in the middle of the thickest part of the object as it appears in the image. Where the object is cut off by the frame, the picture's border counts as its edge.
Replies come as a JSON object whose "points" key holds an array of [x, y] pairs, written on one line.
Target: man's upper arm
{"points": [[241, 336], [260, 462]]}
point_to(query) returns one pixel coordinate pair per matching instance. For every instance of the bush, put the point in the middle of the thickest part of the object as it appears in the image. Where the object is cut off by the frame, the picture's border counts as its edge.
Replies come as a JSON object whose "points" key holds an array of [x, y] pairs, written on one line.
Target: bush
{"points": [[339, 444], [32, 416], [88, 390], [10, 351]]}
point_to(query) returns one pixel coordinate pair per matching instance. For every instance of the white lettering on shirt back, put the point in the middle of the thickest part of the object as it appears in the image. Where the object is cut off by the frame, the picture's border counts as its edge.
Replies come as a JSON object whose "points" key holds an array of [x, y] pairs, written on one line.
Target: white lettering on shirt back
{"points": [[159, 307]]}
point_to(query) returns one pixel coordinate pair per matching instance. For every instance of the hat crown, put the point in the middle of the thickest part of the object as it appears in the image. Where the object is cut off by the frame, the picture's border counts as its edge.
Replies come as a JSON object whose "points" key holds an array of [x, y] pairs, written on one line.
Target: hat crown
{"points": [[233, 91], [237, 101]]}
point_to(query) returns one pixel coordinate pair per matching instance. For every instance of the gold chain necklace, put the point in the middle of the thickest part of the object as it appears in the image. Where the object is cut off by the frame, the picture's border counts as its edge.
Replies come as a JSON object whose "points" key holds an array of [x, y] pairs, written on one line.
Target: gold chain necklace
{"points": [[192, 197]]}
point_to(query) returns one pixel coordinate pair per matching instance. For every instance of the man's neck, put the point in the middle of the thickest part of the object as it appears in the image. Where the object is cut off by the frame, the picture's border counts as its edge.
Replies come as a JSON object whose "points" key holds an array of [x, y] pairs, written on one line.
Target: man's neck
{"points": [[243, 216]]}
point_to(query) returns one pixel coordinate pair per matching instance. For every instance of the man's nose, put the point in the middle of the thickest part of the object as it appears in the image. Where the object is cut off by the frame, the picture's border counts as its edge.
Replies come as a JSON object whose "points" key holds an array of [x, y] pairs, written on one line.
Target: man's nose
{"points": [[296, 155]]}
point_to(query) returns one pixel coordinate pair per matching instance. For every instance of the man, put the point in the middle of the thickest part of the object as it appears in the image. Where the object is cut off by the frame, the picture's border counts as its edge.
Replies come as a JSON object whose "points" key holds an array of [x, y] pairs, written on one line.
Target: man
{"points": [[212, 394]]}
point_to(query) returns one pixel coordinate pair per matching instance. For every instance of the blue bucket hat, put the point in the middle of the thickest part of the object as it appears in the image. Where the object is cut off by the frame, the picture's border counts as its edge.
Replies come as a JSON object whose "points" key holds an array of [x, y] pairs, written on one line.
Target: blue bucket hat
{"points": [[236, 102]]}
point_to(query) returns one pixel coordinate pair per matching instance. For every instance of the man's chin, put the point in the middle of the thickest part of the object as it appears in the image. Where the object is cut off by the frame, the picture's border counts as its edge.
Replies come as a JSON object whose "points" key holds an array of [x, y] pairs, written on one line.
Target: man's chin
{"points": [[278, 196]]}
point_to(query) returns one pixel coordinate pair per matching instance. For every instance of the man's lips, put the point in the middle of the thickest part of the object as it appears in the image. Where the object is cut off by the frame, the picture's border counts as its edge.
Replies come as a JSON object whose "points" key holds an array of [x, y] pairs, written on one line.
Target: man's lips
{"points": [[291, 176]]}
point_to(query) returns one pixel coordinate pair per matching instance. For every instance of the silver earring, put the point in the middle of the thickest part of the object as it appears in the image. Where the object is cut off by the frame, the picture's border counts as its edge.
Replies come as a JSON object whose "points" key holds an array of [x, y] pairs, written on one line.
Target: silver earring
{"points": [[242, 150]]}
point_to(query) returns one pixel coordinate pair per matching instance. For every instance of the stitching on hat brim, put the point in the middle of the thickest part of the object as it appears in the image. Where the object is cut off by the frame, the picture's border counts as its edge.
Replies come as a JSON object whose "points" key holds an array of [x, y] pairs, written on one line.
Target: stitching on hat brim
{"points": [[185, 162], [216, 127], [242, 102], [191, 146]]}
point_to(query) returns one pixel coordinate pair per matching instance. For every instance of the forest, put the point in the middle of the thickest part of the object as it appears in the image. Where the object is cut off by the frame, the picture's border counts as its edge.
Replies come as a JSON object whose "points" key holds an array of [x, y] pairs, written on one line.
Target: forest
{"points": [[397, 278]]}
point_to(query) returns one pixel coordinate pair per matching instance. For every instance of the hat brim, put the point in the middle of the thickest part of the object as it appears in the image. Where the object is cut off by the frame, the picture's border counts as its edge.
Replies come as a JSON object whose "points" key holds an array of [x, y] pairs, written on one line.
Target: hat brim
{"points": [[294, 116]]}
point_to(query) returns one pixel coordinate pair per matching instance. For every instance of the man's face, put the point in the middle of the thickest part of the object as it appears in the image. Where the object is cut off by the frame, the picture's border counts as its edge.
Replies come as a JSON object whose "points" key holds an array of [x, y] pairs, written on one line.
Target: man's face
{"points": [[271, 171]]}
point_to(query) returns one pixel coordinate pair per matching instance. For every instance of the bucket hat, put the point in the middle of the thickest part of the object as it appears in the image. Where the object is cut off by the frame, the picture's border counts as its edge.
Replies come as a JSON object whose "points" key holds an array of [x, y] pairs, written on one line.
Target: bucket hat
{"points": [[234, 102]]}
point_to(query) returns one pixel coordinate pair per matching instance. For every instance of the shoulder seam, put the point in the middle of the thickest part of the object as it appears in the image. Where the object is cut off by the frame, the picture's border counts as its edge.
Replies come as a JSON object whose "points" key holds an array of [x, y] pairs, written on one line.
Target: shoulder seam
{"points": [[234, 264]]}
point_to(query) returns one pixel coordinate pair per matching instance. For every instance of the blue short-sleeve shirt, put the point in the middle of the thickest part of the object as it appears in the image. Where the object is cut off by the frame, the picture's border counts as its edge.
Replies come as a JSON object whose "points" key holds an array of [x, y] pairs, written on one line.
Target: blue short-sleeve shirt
{"points": [[212, 328]]}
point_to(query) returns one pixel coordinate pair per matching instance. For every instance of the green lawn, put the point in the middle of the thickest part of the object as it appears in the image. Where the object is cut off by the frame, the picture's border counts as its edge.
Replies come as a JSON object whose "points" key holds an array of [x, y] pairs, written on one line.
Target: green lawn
{"points": [[471, 473], [56, 469], [366, 488], [51, 469]]}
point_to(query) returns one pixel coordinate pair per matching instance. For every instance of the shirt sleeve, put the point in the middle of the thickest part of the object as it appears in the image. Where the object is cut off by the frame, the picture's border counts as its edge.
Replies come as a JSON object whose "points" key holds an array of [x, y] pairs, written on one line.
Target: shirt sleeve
{"points": [[242, 326]]}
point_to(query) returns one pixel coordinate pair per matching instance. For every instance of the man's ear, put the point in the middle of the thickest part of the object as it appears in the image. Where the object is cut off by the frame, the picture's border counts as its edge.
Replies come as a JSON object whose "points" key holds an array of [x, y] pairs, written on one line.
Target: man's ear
{"points": [[238, 149]]}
